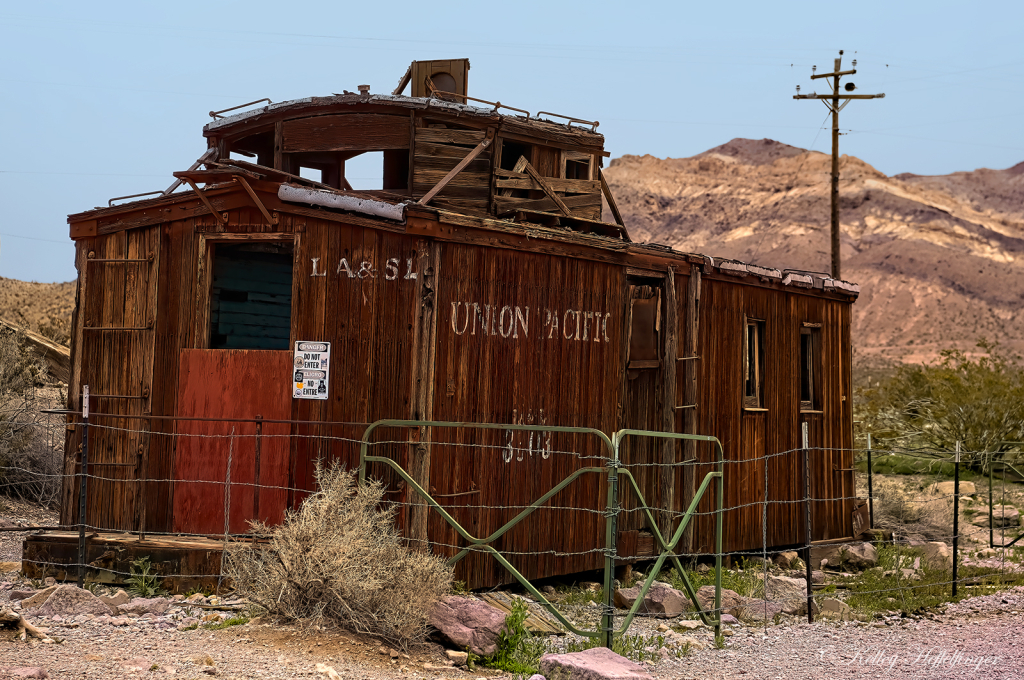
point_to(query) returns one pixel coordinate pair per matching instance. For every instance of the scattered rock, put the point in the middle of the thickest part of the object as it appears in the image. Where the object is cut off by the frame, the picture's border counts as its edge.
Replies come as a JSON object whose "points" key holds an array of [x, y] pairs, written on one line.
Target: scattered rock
{"points": [[37, 598], [693, 643], [688, 625], [24, 672], [661, 599], [761, 610], [730, 619], [116, 600], [70, 601], [836, 609], [1002, 516], [860, 556], [598, 663], [194, 598], [468, 623], [328, 671], [459, 658], [791, 593], [139, 665], [785, 559], [731, 600], [139, 606], [936, 555], [949, 488], [17, 595], [853, 555]]}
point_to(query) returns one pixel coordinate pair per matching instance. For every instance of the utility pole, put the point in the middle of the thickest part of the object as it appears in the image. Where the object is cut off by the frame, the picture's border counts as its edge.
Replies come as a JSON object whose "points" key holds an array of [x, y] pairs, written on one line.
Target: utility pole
{"points": [[831, 102]]}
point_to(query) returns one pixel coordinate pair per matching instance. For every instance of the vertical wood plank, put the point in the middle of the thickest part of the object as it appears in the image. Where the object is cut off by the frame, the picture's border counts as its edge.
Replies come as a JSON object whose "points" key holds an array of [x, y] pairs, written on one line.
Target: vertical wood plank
{"points": [[668, 402]]}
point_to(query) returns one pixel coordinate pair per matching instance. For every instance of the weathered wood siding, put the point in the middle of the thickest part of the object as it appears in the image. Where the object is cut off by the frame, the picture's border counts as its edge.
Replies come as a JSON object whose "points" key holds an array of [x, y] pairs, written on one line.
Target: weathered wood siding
{"points": [[433, 328]]}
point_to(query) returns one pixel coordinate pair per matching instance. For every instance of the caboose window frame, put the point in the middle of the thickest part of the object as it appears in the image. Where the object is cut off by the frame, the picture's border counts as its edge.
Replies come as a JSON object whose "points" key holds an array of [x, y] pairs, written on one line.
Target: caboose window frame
{"points": [[753, 364], [207, 246]]}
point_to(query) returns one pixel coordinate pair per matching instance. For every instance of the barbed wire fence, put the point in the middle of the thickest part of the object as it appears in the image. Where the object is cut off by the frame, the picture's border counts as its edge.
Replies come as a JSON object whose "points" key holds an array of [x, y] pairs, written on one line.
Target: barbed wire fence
{"points": [[568, 513]]}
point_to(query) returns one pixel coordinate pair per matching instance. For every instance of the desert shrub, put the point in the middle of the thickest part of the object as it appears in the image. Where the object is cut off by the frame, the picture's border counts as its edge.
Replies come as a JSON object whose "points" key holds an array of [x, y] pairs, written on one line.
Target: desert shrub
{"points": [[911, 513], [30, 459], [977, 401], [340, 560]]}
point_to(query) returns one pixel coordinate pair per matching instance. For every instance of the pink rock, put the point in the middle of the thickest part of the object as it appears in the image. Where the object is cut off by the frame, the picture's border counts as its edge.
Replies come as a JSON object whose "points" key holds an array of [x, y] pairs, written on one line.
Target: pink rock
{"points": [[137, 665], [661, 598], [599, 663], [70, 601], [139, 606], [25, 672], [731, 600], [468, 623]]}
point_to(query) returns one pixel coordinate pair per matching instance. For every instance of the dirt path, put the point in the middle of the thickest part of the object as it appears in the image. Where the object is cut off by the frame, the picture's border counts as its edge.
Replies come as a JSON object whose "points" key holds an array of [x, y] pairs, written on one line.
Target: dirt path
{"points": [[976, 638], [979, 638]]}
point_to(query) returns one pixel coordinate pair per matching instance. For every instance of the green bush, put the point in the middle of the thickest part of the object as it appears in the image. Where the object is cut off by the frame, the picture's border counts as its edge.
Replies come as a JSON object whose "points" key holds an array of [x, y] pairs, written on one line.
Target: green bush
{"points": [[975, 400]]}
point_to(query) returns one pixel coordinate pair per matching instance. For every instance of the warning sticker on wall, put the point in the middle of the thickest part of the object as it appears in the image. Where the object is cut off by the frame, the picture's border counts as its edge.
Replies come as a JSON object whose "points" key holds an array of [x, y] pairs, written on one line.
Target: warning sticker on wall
{"points": [[312, 370]]}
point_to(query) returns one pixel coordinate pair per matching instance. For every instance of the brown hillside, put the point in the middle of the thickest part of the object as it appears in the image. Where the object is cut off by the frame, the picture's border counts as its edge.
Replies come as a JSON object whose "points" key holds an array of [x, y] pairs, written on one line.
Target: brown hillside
{"points": [[41, 307], [938, 259]]}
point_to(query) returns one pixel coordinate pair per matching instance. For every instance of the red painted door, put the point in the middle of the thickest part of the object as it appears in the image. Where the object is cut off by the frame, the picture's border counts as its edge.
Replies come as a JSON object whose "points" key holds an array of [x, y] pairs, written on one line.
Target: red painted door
{"points": [[244, 384]]}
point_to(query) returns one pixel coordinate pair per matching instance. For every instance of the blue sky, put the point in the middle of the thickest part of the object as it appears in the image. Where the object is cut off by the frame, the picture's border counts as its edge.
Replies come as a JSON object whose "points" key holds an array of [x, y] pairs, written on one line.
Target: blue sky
{"points": [[105, 99]]}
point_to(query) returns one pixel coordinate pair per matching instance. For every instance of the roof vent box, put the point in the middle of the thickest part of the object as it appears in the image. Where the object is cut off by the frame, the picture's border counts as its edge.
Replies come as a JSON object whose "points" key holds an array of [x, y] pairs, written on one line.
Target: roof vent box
{"points": [[445, 75]]}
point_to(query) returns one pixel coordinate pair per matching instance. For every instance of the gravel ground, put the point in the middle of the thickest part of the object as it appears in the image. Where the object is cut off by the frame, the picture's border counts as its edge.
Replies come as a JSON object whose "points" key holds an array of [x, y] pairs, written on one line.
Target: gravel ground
{"points": [[14, 512], [979, 637]]}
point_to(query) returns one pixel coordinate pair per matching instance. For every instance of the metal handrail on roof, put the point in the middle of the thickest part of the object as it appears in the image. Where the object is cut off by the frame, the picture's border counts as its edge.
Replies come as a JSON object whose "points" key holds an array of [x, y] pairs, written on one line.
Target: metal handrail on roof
{"points": [[592, 123], [216, 114]]}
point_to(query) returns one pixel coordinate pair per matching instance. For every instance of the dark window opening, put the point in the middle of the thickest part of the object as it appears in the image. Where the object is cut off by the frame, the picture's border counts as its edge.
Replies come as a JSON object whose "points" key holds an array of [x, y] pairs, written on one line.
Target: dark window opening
{"points": [[809, 400], [753, 364], [257, 148], [577, 169], [251, 296], [396, 170], [644, 328], [511, 153]]}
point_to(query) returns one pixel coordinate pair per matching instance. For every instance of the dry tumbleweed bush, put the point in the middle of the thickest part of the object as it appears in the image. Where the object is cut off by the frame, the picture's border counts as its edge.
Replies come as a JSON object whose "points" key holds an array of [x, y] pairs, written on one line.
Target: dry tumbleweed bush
{"points": [[912, 514], [339, 559]]}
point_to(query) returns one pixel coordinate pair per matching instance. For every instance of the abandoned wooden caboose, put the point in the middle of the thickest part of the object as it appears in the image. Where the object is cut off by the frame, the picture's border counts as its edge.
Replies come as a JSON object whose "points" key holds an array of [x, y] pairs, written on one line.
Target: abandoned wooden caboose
{"points": [[477, 284]]}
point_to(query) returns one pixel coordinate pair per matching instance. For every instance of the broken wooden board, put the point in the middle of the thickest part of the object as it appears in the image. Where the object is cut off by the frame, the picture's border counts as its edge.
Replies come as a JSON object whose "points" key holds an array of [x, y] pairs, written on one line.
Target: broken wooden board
{"points": [[539, 622]]}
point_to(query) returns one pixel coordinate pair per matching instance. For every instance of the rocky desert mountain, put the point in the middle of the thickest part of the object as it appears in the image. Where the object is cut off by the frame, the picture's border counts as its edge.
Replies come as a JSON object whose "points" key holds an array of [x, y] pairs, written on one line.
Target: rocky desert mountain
{"points": [[938, 259]]}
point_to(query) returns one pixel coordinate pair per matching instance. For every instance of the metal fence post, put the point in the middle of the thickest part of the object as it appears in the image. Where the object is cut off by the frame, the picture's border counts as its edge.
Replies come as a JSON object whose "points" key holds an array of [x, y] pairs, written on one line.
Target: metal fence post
{"points": [[956, 512], [807, 525], [83, 486], [611, 535], [991, 522], [871, 490]]}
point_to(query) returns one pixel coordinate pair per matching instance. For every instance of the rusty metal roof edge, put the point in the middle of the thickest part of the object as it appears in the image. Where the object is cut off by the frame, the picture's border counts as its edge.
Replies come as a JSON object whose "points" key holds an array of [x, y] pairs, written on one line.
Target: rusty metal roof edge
{"points": [[394, 100]]}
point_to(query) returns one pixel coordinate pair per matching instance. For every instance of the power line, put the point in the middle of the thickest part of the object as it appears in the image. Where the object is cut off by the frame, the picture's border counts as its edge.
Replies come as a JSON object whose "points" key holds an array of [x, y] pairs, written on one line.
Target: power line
{"points": [[84, 174], [17, 236], [789, 185]]}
